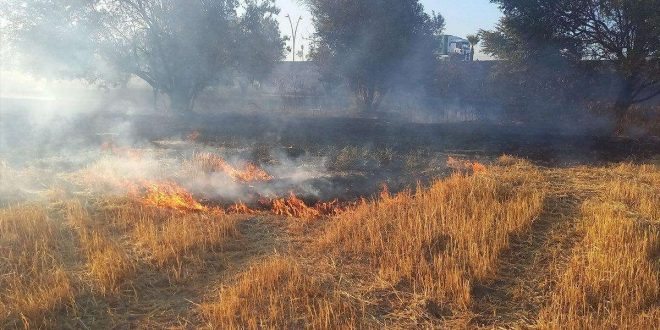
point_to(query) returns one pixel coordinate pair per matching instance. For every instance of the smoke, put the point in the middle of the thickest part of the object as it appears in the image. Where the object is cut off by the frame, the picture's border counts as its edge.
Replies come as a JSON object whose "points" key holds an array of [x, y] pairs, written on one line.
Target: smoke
{"points": [[98, 136], [93, 152]]}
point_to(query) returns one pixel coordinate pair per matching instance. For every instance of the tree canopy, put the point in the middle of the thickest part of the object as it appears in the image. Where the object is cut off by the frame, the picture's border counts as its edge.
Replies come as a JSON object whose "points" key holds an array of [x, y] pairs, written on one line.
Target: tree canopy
{"points": [[622, 35], [374, 44], [178, 47]]}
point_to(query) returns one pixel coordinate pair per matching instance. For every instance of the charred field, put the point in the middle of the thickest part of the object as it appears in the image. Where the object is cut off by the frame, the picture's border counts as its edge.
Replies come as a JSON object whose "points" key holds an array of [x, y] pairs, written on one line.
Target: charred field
{"points": [[236, 221]]}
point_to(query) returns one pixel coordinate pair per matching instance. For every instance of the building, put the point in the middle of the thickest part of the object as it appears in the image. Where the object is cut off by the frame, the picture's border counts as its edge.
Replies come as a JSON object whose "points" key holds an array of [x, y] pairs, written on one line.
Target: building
{"points": [[454, 48]]}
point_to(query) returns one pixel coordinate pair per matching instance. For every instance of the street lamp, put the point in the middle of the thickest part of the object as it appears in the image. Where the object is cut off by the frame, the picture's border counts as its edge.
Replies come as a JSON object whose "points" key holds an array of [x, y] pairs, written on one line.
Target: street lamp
{"points": [[294, 32]]}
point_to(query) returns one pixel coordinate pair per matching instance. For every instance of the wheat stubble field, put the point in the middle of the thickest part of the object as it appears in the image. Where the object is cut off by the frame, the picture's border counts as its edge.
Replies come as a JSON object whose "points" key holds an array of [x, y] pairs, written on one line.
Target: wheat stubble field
{"points": [[507, 243]]}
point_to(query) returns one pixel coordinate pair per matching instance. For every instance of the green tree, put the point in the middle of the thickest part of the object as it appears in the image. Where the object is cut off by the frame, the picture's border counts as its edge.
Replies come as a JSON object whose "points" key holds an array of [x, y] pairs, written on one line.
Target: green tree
{"points": [[373, 44], [178, 47], [624, 35]]}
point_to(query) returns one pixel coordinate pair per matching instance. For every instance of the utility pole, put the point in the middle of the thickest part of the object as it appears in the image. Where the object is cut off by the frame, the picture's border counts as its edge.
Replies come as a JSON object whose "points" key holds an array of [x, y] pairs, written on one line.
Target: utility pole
{"points": [[294, 32]]}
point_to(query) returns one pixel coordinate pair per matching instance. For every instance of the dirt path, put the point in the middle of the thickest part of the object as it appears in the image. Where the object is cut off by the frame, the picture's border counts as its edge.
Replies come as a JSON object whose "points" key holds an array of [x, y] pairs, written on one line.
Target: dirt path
{"points": [[529, 268]]}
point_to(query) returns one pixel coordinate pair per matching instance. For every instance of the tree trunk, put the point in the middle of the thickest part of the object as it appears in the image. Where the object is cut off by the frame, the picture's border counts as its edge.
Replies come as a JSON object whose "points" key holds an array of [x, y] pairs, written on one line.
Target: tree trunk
{"points": [[368, 98], [623, 103], [182, 102], [155, 99], [364, 99]]}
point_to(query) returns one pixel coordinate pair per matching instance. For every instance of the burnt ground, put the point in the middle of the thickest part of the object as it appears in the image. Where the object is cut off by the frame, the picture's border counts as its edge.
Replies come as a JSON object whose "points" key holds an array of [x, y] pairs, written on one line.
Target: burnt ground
{"points": [[360, 154], [545, 145]]}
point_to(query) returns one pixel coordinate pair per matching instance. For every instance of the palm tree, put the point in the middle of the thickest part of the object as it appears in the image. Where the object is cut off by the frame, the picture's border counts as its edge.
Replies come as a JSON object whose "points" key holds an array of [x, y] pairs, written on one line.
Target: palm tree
{"points": [[473, 39]]}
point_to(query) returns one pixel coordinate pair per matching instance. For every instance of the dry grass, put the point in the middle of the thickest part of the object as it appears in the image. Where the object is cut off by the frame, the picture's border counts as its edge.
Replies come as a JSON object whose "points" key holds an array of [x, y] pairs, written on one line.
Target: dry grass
{"points": [[412, 259], [440, 239], [429, 245], [279, 293], [613, 278], [33, 283], [106, 261], [170, 240], [52, 257]]}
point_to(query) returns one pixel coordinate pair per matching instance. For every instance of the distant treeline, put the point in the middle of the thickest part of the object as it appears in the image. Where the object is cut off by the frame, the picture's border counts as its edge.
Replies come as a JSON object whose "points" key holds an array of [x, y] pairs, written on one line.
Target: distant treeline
{"points": [[487, 89]]}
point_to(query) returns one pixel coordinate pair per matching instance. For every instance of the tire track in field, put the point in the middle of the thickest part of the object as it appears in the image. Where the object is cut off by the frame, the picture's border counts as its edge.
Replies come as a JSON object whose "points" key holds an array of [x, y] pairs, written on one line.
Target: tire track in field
{"points": [[529, 269]]}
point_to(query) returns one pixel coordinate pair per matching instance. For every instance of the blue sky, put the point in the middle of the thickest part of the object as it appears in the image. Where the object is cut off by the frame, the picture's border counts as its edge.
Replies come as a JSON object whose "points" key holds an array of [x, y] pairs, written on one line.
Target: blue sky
{"points": [[462, 16]]}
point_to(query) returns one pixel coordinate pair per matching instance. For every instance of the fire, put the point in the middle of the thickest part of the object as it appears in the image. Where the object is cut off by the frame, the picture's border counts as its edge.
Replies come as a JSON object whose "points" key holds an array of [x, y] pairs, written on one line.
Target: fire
{"points": [[293, 207], [478, 167], [465, 165], [385, 192], [329, 208], [253, 173], [193, 136], [214, 163], [240, 208], [168, 194]]}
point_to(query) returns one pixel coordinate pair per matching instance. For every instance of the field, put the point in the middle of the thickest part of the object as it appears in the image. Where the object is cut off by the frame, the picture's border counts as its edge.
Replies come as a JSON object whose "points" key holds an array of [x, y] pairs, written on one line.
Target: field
{"points": [[418, 227]]}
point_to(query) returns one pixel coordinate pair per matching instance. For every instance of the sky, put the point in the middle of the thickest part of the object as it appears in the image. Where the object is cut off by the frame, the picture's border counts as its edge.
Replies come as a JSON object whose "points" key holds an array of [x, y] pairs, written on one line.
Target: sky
{"points": [[462, 17]]}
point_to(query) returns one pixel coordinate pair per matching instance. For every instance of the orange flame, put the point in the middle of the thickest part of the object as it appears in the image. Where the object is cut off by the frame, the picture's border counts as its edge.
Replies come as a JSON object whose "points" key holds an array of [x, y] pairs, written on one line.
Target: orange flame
{"points": [[214, 163], [166, 194], [252, 173], [478, 167], [465, 165], [329, 208], [193, 136], [293, 207], [385, 192], [240, 208]]}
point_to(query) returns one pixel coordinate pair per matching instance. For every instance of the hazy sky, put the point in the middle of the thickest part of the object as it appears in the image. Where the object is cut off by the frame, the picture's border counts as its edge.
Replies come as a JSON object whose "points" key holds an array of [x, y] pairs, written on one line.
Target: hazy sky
{"points": [[462, 16]]}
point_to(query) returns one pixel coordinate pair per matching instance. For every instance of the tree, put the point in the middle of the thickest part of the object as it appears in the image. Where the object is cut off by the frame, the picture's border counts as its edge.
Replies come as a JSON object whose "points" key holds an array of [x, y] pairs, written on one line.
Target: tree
{"points": [[374, 44], [177, 47], [623, 35], [261, 45], [473, 39]]}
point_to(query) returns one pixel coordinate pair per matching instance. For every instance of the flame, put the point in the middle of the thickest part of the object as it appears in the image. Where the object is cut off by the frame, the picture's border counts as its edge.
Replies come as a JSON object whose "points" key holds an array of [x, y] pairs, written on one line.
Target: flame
{"points": [[478, 167], [193, 136], [465, 165], [385, 192], [252, 173], [166, 194], [329, 208], [214, 163], [293, 207], [240, 208]]}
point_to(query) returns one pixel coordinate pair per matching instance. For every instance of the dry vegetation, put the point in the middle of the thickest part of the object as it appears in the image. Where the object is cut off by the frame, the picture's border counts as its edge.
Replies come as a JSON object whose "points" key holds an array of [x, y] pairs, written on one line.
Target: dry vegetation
{"points": [[54, 255], [511, 244], [613, 278]]}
